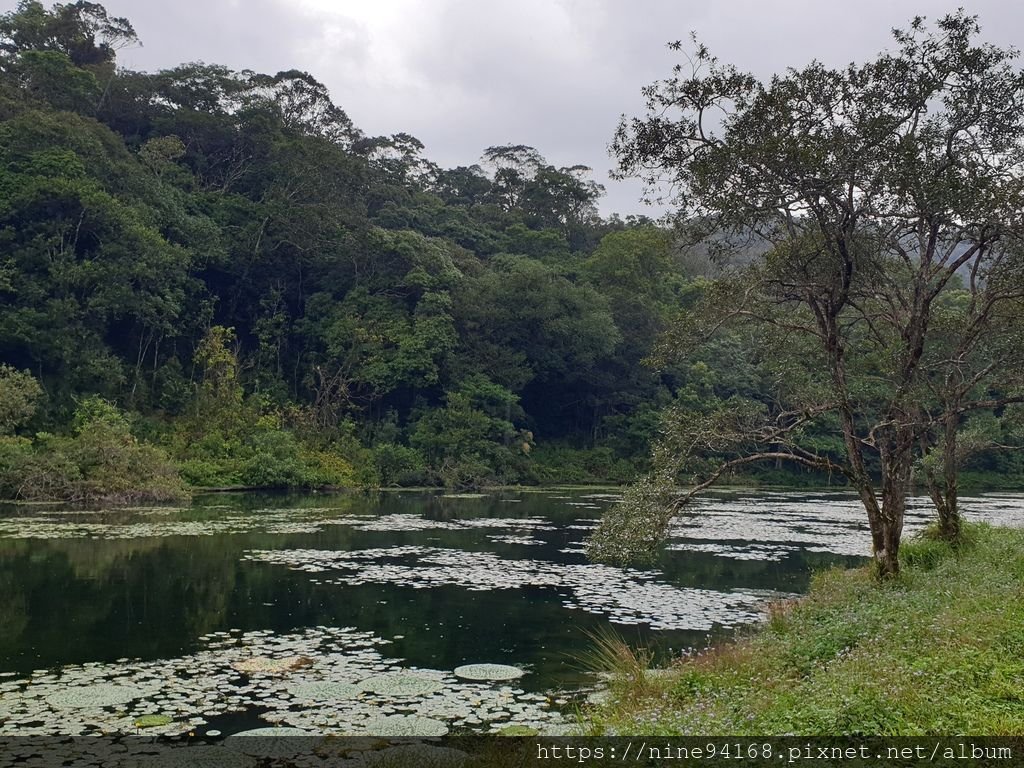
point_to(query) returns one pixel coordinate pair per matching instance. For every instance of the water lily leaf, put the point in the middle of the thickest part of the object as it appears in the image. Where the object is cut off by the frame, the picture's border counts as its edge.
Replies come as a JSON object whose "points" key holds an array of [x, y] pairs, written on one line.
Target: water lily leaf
{"points": [[267, 666], [153, 721], [401, 684], [488, 672], [323, 690], [405, 725]]}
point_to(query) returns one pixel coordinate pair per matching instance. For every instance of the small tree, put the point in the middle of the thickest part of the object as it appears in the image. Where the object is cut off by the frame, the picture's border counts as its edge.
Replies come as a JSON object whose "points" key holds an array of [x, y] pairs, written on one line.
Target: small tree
{"points": [[868, 190], [20, 394]]}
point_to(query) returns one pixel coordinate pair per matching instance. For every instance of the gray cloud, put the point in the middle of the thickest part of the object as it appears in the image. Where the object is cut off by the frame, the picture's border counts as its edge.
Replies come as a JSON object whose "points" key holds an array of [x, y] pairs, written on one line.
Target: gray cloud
{"points": [[462, 75]]}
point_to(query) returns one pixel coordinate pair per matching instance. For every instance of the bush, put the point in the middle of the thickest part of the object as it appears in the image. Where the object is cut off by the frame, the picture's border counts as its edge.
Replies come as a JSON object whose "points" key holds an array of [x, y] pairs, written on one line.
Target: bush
{"points": [[398, 465], [101, 461], [225, 438], [330, 469], [273, 460], [208, 474], [19, 397], [562, 464], [925, 550], [467, 471], [469, 443], [32, 470]]}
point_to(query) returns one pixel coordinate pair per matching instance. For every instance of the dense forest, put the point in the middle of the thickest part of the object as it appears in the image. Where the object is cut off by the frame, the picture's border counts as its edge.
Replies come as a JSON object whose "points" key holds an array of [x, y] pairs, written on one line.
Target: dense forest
{"points": [[214, 278]]}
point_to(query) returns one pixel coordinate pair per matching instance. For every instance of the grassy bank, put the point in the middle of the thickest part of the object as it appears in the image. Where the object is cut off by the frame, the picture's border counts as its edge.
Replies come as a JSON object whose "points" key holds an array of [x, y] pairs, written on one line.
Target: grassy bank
{"points": [[940, 651]]}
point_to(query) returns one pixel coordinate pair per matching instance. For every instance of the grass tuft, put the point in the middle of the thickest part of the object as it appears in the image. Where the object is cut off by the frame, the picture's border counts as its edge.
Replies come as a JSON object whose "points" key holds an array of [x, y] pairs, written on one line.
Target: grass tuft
{"points": [[610, 655]]}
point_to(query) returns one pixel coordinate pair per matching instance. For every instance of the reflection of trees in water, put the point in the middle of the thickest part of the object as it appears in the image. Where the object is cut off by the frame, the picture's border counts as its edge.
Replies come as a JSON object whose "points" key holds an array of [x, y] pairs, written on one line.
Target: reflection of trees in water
{"points": [[13, 614], [97, 600]]}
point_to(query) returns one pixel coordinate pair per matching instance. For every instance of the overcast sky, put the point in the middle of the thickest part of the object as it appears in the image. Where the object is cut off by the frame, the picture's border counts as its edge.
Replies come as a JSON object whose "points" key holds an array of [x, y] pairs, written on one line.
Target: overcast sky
{"points": [[462, 75]]}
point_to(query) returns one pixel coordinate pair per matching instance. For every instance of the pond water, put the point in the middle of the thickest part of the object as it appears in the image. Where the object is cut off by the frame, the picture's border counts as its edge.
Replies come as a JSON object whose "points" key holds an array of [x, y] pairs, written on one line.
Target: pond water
{"points": [[359, 613]]}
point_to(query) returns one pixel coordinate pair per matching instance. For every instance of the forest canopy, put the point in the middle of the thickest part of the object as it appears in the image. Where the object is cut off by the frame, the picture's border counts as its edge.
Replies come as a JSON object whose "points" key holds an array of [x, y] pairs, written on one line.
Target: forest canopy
{"points": [[245, 288]]}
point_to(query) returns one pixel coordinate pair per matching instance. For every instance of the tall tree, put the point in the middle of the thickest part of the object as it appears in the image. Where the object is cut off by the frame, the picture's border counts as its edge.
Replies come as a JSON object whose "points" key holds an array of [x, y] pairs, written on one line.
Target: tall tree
{"points": [[869, 188]]}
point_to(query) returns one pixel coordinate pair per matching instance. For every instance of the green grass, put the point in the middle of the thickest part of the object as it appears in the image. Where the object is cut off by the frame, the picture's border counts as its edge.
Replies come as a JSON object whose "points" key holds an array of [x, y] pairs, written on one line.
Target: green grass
{"points": [[938, 651]]}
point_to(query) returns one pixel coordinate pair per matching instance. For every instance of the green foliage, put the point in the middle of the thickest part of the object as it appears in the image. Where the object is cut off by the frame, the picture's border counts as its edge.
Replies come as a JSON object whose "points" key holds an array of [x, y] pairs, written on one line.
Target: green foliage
{"points": [[19, 398], [101, 460], [530, 322], [227, 439], [925, 552], [839, 196], [222, 250], [472, 441], [610, 655], [399, 465], [561, 464]]}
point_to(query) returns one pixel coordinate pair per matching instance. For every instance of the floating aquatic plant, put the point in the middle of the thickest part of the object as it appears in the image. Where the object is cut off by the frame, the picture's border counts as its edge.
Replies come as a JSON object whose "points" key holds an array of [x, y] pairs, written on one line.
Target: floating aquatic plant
{"points": [[763, 527], [153, 721], [98, 695], [324, 690], [488, 672], [626, 596], [348, 687], [509, 539], [401, 684], [267, 666], [404, 725]]}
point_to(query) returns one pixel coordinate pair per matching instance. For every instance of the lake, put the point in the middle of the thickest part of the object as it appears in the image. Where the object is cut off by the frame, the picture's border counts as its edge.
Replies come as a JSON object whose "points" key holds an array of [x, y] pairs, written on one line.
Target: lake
{"points": [[404, 612]]}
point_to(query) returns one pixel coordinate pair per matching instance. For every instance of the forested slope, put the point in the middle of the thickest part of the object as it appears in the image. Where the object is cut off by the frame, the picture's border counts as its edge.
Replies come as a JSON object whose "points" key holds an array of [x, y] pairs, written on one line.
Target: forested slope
{"points": [[217, 272]]}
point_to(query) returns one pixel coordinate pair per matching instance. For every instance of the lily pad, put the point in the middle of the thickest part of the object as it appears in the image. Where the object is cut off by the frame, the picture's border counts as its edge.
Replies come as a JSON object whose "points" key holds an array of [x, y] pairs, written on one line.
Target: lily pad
{"points": [[401, 684], [488, 672], [270, 732], [405, 725], [153, 721]]}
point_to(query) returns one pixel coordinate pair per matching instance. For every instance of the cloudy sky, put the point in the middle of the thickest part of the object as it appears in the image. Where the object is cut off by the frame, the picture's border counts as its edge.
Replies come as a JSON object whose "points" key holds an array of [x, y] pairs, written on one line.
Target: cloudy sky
{"points": [[462, 75]]}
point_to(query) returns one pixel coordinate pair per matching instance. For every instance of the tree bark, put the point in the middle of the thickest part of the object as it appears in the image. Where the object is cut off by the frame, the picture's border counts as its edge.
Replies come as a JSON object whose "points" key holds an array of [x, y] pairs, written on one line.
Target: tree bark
{"points": [[950, 528], [885, 521]]}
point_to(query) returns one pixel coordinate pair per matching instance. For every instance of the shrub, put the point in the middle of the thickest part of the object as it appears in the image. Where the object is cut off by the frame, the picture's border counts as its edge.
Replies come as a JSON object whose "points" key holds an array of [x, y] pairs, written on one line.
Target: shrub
{"points": [[562, 464], [328, 468], [102, 460], [209, 474], [19, 397], [398, 465]]}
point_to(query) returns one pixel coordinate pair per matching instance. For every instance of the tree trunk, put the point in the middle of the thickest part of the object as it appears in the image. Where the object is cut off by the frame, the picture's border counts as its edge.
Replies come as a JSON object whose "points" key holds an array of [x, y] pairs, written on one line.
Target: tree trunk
{"points": [[949, 511], [943, 489], [887, 557], [886, 520], [897, 461]]}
